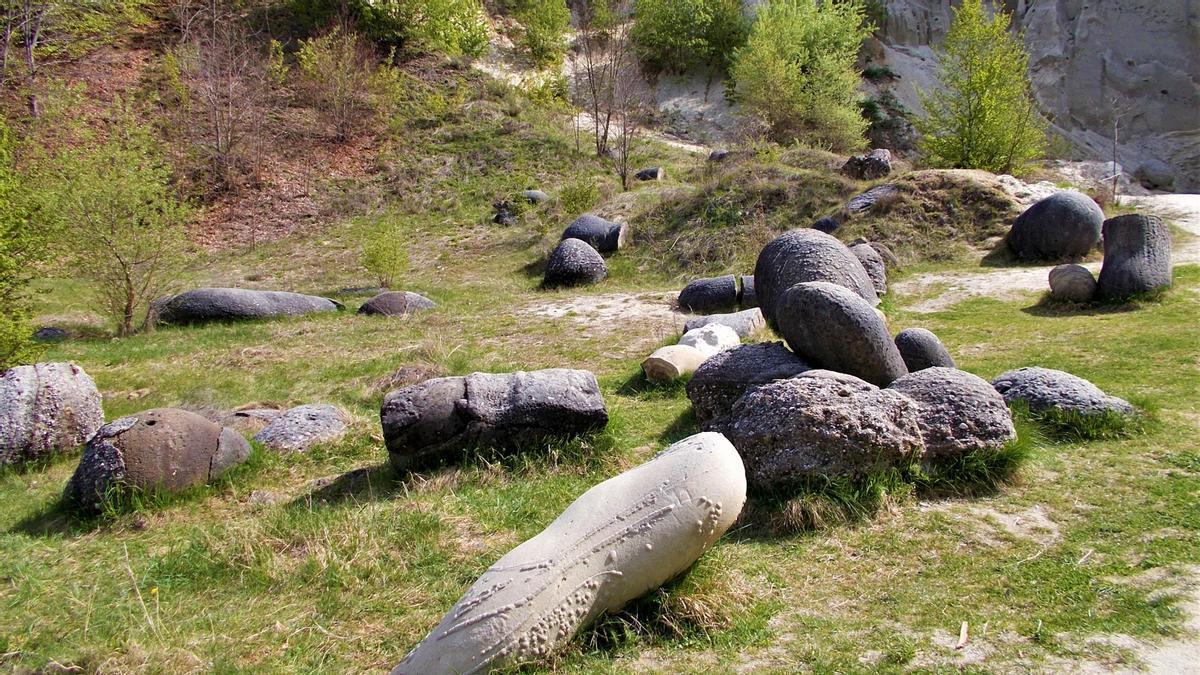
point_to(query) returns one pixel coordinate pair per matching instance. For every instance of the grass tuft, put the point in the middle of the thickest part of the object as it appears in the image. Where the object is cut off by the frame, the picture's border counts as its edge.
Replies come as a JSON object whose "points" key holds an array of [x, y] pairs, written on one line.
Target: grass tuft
{"points": [[1073, 426], [821, 502]]}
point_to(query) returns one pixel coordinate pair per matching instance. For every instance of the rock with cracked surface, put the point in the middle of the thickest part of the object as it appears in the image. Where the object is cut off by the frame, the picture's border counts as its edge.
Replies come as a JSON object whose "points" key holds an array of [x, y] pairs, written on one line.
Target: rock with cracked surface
{"points": [[574, 263], [921, 349], [1137, 257], [875, 164], [618, 541], [1072, 283], [958, 412], [300, 428], [808, 426], [672, 362], [603, 235], [1063, 226], [744, 323], [807, 255], [721, 380], [46, 409], [396, 303], [873, 263], [163, 449], [829, 326], [1045, 388], [710, 295], [232, 304], [711, 340], [437, 420]]}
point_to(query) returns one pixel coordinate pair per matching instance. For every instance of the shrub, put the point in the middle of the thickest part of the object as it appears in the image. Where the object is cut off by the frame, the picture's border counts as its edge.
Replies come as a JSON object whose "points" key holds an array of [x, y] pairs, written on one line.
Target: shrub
{"points": [[676, 35], [796, 74], [335, 76], [384, 250], [576, 198], [453, 27], [543, 26], [983, 115], [19, 250]]}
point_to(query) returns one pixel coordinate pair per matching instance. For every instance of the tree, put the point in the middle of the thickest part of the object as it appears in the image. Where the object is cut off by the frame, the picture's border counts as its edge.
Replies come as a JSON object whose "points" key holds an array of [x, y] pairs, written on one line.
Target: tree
{"points": [[796, 75], [982, 116], [544, 24], [20, 249], [336, 76], [675, 35], [630, 105]]}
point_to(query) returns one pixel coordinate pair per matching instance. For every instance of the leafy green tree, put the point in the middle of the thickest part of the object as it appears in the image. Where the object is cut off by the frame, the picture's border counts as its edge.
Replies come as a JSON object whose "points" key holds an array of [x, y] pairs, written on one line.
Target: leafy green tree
{"points": [[796, 75], [20, 249], [544, 24], [676, 35], [385, 249], [983, 115]]}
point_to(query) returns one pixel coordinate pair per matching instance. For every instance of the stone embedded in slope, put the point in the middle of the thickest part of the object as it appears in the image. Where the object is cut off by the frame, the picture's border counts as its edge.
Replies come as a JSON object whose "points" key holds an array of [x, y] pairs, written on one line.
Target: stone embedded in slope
{"points": [[721, 380], [921, 349], [1063, 226], [396, 303], [618, 541], [873, 263], [1072, 283], [651, 173], [744, 323], [603, 235], [807, 255], [958, 412], [710, 295], [437, 420], [45, 409], [227, 304], [1045, 388], [1137, 257], [300, 428], [535, 196], [1155, 174], [870, 198], [672, 362], [574, 263], [875, 164], [711, 339], [826, 224]]}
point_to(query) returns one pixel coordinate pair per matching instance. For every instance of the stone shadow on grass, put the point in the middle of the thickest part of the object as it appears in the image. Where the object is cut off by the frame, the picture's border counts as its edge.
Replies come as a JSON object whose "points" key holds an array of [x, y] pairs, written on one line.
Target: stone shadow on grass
{"points": [[364, 484], [59, 518]]}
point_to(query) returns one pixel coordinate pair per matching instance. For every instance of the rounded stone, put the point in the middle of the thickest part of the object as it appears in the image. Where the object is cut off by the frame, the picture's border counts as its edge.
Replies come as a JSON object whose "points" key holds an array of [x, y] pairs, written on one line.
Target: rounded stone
{"points": [[229, 304], [744, 323], [574, 263], [874, 164], [1155, 174], [396, 303], [672, 362], [1045, 388], [651, 173], [874, 264], [710, 295], [1065, 225], [46, 409], [1137, 257], [830, 326], [807, 255], [711, 339], [603, 235], [721, 380], [535, 196], [1072, 283], [826, 224], [302, 427], [921, 349], [958, 412], [747, 298]]}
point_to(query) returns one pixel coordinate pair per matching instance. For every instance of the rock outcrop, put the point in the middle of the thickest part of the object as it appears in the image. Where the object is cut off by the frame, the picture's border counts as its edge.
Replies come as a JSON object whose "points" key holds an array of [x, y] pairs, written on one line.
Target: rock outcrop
{"points": [[46, 409], [1137, 257]]}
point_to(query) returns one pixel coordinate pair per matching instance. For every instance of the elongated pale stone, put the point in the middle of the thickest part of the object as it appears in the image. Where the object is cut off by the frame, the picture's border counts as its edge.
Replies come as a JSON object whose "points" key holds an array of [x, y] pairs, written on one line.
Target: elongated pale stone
{"points": [[672, 362], [618, 541]]}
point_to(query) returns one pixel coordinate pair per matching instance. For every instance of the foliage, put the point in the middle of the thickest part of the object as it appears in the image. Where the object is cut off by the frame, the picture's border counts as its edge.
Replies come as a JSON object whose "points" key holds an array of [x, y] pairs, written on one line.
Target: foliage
{"points": [[676, 35], [452, 27], [19, 249], [983, 115], [796, 75], [335, 77], [385, 249], [576, 198], [543, 26]]}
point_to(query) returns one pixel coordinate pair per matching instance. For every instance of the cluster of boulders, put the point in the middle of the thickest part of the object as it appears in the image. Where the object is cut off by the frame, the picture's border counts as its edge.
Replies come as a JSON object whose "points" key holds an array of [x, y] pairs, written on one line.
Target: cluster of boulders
{"points": [[578, 259]]}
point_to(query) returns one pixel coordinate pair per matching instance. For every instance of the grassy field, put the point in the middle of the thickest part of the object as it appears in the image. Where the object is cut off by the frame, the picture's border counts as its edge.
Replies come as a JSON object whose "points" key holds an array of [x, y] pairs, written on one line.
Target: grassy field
{"points": [[329, 562]]}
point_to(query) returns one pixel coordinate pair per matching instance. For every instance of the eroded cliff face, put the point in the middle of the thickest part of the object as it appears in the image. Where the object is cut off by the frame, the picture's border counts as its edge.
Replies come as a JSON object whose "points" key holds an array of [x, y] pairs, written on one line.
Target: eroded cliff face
{"points": [[1089, 60]]}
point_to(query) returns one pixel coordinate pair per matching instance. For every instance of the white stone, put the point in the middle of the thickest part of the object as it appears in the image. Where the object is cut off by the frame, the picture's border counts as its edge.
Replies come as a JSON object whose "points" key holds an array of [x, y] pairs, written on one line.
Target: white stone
{"points": [[711, 339], [672, 362]]}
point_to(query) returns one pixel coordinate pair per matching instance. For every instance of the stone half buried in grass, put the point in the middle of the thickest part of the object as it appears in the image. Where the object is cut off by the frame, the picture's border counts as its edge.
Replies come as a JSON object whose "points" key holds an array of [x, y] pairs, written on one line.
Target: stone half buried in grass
{"points": [[1072, 283], [958, 412], [396, 303], [160, 450], [229, 304], [618, 541], [1044, 389], [603, 235], [435, 421], [45, 409], [302, 427]]}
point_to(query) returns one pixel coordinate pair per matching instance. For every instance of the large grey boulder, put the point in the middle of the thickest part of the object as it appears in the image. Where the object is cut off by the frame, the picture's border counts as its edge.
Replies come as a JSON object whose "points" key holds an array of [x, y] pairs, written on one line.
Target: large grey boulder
{"points": [[710, 295], [436, 420], [46, 409], [1065, 225], [874, 264], [300, 428], [1045, 389], [618, 541], [228, 304], [744, 323], [396, 303], [723, 379], [574, 263], [806, 255], [830, 326], [804, 427], [958, 412], [875, 164], [603, 235], [1155, 174], [921, 349], [747, 298], [1072, 283], [1137, 257], [163, 449]]}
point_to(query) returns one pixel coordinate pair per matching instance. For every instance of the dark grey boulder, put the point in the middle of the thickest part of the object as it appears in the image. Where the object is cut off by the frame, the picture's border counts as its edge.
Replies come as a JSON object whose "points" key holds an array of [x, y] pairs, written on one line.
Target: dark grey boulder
{"points": [[163, 449], [574, 263], [651, 173], [870, 198], [1137, 257], [722, 379], [710, 295], [1044, 389], [302, 427], [535, 196], [50, 334], [875, 164], [719, 155], [826, 224], [829, 326], [504, 215], [744, 323], [46, 409], [806, 255], [921, 349], [603, 235], [873, 263], [1072, 283], [227, 304], [1063, 226], [437, 420], [958, 412], [747, 298], [806, 427], [396, 303], [890, 259], [1155, 174]]}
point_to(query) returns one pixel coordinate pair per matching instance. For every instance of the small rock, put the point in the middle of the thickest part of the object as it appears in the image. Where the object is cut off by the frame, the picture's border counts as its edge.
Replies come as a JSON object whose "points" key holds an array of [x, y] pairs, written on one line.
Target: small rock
{"points": [[827, 224], [535, 196], [1063, 226], [958, 412], [50, 334], [921, 349], [1072, 283], [504, 215], [719, 155], [652, 173], [722, 379], [874, 164], [603, 235], [711, 339], [870, 198], [1044, 388], [672, 362], [574, 263], [302, 427], [744, 323], [710, 295], [396, 303], [45, 409], [1137, 257]]}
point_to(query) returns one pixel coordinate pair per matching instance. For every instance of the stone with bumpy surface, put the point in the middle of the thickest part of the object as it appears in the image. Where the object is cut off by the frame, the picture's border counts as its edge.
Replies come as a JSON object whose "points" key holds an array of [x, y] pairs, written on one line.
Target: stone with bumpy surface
{"points": [[603, 235], [958, 412], [710, 295], [45, 409], [921, 349], [302, 427], [829, 326], [867, 200], [744, 323], [805, 427], [435, 421], [723, 379], [711, 340], [1045, 389], [672, 362], [159, 450], [1137, 257], [873, 263], [1155, 174], [747, 298], [1072, 283], [396, 303], [228, 304], [806, 255], [574, 263], [1063, 226], [875, 164], [618, 541]]}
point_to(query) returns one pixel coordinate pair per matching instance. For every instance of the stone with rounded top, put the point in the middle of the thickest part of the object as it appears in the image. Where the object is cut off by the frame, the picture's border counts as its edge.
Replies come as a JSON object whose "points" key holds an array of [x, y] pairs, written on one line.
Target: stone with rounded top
{"points": [[574, 263], [672, 362], [231, 304], [1045, 388], [921, 349], [1137, 257], [300, 428], [1072, 283], [710, 295], [807, 255], [1064, 226], [396, 303], [603, 235], [958, 412], [46, 409], [722, 379], [711, 339]]}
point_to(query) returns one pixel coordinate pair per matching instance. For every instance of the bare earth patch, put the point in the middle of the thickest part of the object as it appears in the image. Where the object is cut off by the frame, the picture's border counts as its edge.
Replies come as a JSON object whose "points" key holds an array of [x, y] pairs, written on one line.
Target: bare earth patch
{"points": [[649, 314]]}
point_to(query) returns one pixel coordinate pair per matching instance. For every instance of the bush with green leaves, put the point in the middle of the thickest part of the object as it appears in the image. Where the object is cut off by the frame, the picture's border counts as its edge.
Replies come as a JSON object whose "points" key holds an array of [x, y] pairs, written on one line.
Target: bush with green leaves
{"points": [[544, 24], [677, 35], [982, 116], [385, 249], [452, 27], [796, 75], [20, 249]]}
